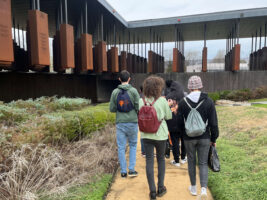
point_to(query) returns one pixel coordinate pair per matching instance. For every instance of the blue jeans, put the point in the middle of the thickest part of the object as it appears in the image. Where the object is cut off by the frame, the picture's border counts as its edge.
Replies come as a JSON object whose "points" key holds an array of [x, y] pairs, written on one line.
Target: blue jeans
{"points": [[127, 131]]}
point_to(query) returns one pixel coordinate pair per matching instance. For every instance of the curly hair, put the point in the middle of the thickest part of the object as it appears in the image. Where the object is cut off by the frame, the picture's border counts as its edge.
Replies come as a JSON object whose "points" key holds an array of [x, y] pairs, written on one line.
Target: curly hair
{"points": [[153, 86]]}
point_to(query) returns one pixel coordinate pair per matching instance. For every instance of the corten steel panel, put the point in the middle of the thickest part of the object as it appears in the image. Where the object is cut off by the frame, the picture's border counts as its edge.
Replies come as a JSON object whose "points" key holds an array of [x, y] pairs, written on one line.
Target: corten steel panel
{"points": [[150, 61], [39, 45], [255, 56], [56, 53], [154, 67], [6, 42], [87, 52], [175, 60], [114, 60], [129, 62], [259, 53], [145, 65], [138, 64], [123, 60], [204, 59], [264, 58], [109, 60], [142, 65], [67, 46], [179, 62], [251, 62], [233, 59], [102, 65], [236, 64], [133, 63]]}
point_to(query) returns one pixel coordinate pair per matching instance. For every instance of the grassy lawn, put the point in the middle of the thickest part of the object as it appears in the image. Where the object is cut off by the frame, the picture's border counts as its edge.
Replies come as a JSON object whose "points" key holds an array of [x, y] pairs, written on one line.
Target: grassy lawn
{"points": [[260, 105], [257, 100], [243, 154], [96, 190]]}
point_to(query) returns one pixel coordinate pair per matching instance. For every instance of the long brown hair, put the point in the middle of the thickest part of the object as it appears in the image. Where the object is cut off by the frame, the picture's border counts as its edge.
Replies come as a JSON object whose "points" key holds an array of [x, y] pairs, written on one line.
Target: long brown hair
{"points": [[153, 86]]}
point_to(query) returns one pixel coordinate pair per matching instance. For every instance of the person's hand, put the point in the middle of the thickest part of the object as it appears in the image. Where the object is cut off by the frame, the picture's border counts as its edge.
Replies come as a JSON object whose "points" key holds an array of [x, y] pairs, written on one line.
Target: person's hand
{"points": [[174, 109], [170, 102], [213, 144]]}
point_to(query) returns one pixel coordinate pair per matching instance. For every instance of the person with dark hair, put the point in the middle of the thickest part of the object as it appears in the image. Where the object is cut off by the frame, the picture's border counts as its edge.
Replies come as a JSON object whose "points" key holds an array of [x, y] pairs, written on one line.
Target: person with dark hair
{"points": [[198, 140], [124, 102], [176, 94], [153, 87]]}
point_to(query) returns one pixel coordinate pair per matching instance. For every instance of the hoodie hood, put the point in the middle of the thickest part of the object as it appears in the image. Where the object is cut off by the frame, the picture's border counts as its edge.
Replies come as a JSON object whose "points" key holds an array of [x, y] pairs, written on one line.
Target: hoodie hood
{"points": [[125, 87], [197, 96]]}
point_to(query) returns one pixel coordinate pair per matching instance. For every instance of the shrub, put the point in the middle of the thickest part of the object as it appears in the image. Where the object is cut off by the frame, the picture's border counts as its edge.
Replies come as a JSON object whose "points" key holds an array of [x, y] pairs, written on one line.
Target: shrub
{"points": [[68, 103], [260, 92], [214, 96], [73, 125], [240, 95], [10, 116], [223, 94]]}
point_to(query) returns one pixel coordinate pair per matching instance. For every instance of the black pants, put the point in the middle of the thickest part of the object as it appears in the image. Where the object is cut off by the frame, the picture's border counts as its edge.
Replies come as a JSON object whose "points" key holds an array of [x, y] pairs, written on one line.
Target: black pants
{"points": [[160, 149], [175, 136]]}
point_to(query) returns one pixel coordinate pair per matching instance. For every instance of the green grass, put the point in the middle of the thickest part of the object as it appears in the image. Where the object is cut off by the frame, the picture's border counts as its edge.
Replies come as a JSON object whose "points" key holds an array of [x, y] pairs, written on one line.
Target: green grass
{"points": [[257, 100], [96, 190], [243, 155], [260, 105]]}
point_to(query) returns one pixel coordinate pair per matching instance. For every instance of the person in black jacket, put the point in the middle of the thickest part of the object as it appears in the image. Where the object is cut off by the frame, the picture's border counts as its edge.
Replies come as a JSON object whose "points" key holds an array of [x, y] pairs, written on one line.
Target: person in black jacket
{"points": [[176, 95], [200, 144]]}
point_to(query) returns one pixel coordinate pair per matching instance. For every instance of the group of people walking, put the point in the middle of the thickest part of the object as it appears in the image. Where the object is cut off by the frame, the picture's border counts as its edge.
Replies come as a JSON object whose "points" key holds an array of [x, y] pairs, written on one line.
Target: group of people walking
{"points": [[165, 115]]}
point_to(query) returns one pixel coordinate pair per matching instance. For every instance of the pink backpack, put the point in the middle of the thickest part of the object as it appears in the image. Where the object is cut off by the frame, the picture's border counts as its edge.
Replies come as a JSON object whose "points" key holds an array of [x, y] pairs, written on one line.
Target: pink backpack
{"points": [[147, 118]]}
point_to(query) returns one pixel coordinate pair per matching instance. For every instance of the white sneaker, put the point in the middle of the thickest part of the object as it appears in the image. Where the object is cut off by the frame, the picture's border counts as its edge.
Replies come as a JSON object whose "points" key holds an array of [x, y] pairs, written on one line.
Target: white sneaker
{"points": [[183, 161], [193, 190], [203, 195], [175, 163]]}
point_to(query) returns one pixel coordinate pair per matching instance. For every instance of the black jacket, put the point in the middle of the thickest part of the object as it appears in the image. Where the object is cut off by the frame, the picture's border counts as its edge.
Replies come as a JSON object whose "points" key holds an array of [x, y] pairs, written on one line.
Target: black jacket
{"points": [[176, 92], [207, 111]]}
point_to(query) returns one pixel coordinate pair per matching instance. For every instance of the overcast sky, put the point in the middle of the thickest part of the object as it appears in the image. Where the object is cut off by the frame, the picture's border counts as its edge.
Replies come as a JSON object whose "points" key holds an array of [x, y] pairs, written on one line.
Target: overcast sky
{"points": [[149, 9]]}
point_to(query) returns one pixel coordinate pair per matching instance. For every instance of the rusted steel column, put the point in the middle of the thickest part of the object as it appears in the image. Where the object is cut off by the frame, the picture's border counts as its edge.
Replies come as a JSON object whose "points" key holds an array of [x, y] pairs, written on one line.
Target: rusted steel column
{"points": [[6, 47], [114, 60], [101, 57], [175, 60], [150, 61], [205, 59], [67, 46], [236, 58], [87, 52], [39, 43], [123, 60]]}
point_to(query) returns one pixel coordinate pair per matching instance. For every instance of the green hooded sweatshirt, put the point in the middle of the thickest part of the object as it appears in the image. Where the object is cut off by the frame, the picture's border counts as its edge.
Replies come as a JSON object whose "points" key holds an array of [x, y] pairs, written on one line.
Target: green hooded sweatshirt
{"points": [[122, 117]]}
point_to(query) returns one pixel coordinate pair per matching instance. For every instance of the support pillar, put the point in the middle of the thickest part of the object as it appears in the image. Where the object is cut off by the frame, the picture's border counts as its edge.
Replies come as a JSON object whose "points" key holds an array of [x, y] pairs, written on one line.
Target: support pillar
{"points": [[205, 59], [6, 47]]}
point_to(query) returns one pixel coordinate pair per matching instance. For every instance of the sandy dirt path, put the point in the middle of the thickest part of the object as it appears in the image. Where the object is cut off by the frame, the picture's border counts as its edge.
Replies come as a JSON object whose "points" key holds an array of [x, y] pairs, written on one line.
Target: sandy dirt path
{"points": [[176, 181]]}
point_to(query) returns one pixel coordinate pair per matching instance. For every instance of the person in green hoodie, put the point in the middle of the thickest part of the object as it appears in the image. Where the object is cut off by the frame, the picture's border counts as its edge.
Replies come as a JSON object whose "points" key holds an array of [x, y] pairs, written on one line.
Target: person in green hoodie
{"points": [[124, 102]]}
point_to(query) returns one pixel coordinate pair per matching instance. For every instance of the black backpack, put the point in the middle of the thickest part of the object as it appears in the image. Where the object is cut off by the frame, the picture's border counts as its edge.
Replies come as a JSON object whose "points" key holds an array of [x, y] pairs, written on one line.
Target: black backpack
{"points": [[124, 103]]}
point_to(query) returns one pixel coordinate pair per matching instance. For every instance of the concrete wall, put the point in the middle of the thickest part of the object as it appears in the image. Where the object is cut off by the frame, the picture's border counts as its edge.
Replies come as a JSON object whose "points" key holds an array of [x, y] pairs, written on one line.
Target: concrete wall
{"points": [[214, 81], [98, 88]]}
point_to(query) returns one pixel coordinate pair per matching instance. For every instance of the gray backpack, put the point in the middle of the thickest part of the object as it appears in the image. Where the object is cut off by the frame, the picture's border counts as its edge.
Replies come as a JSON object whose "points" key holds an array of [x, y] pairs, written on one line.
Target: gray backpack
{"points": [[194, 124]]}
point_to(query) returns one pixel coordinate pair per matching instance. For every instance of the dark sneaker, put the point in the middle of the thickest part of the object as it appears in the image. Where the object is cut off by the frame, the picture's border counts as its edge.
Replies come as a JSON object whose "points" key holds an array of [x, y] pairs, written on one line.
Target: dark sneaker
{"points": [[153, 195], [123, 175], [162, 191], [167, 156], [133, 174]]}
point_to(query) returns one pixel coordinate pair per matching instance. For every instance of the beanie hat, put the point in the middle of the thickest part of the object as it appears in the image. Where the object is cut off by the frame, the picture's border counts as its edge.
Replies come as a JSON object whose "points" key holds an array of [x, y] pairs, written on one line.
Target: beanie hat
{"points": [[194, 83]]}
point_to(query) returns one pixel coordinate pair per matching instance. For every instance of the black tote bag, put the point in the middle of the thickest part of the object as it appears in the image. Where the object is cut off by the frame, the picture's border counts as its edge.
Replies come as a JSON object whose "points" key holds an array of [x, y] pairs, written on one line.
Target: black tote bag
{"points": [[213, 162]]}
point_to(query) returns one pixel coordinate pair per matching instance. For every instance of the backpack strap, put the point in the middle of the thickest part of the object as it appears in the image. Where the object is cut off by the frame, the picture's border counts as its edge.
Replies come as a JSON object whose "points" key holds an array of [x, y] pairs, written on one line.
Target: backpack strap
{"points": [[187, 103], [191, 106], [151, 104]]}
